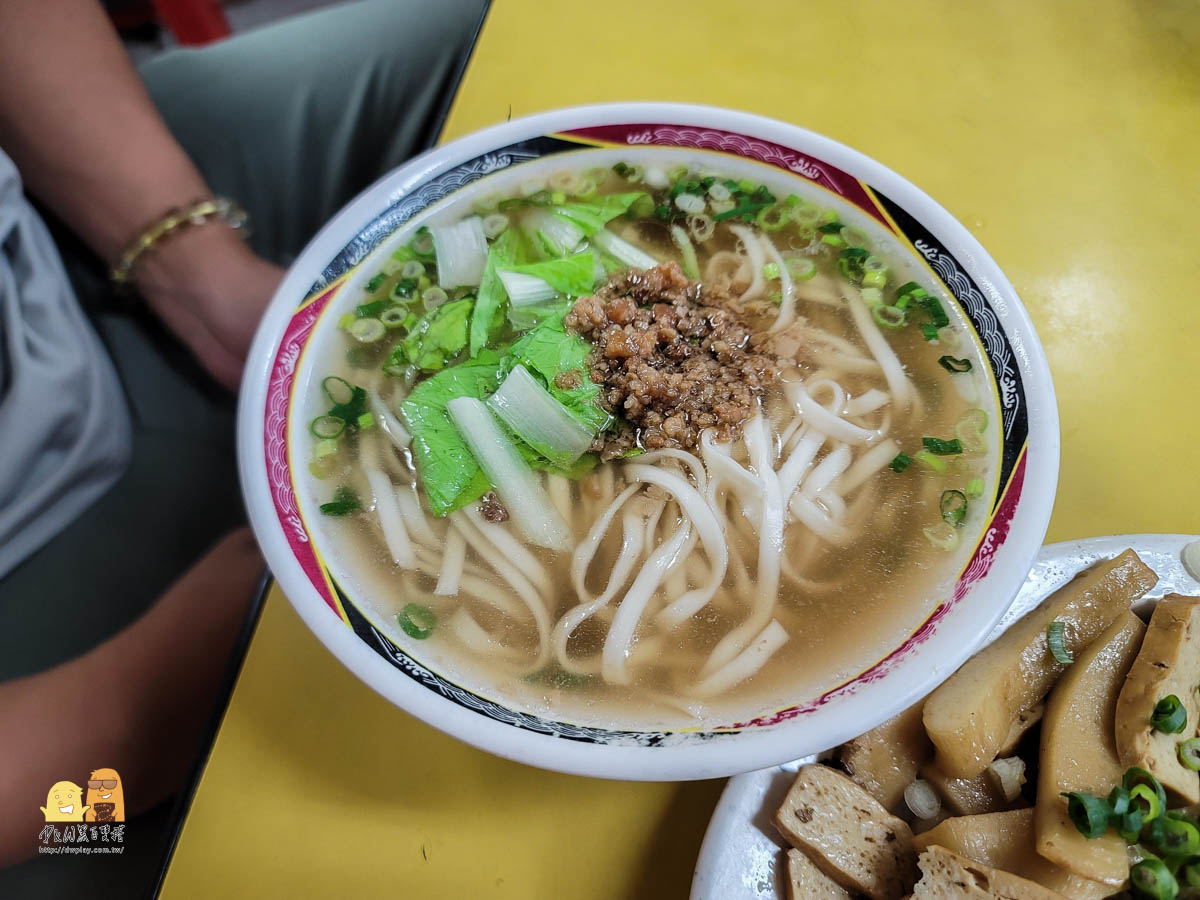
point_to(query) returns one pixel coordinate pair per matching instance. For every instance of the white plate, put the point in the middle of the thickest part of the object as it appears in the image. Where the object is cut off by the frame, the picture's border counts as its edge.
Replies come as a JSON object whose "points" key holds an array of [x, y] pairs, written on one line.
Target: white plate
{"points": [[741, 848]]}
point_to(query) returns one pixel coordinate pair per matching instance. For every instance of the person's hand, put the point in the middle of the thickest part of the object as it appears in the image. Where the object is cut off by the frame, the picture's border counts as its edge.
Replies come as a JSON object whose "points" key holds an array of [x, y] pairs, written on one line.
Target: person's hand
{"points": [[209, 289]]}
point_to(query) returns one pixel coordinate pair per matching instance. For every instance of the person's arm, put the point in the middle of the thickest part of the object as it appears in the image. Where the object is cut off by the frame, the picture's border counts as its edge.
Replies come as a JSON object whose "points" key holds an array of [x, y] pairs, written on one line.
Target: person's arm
{"points": [[89, 144]]}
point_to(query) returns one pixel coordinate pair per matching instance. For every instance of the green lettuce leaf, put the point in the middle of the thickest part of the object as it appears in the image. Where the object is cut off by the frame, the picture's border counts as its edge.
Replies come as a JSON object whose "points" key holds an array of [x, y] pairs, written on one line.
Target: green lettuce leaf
{"points": [[451, 476], [437, 337], [548, 350], [572, 275], [488, 315], [591, 217]]}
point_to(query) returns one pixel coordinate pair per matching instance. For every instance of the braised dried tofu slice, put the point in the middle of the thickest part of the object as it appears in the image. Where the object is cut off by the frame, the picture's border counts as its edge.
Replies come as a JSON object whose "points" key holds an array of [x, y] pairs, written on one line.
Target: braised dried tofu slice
{"points": [[846, 832], [807, 882], [948, 876], [966, 796], [1005, 841], [1169, 663], [1079, 752], [970, 716], [885, 760]]}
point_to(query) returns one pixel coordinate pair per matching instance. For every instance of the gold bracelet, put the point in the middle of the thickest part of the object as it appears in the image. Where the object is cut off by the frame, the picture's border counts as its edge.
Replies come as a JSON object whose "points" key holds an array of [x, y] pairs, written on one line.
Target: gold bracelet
{"points": [[219, 209]]}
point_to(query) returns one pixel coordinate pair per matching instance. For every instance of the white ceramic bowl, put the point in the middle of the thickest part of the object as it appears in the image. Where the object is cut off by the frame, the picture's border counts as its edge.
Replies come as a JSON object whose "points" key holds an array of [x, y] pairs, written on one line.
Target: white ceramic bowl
{"points": [[278, 493]]}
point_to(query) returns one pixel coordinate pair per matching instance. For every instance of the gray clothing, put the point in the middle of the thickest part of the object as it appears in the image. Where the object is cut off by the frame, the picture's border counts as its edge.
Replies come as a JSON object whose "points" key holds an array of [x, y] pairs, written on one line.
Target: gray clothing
{"points": [[63, 424], [291, 121]]}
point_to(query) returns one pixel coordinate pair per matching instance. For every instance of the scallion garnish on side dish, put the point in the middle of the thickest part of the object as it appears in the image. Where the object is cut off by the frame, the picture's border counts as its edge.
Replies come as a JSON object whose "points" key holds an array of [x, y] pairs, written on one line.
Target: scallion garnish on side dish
{"points": [[1088, 813], [1055, 637], [1189, 753], [1169, 716]]}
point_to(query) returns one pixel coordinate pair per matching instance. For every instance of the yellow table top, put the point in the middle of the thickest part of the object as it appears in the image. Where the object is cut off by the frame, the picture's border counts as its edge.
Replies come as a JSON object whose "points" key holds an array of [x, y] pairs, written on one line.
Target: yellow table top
{"points": [[1064, 135]]}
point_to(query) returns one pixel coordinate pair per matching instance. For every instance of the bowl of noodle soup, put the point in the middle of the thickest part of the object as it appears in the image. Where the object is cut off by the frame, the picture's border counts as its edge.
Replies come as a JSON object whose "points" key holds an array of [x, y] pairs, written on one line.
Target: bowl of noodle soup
{"points": [[648, 441]]}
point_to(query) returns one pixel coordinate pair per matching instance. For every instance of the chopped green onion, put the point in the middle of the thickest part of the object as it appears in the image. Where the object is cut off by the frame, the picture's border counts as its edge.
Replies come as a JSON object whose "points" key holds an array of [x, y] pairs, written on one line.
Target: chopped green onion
{"points": [[744, 209], [937, 313], [373, 309], [541, 198], [375, 282], [800, 268], [1056, 638], [831, 226], [943, 535], [414, 268], [774, 217], [833, 239], [434, 297], [1151, 878], [1189, 753], [325, 447], [950, 364], [933, 462], [344, 502], [874, 279], [1118, 801], [910, 290], [969, 430], [1136, 776], [872, 296], [942, 448], [770, 271], [953, 507], [850, 262], [1174, 836], [366, 420], [855, 237], [422, 244], [1190, 871], [1130, 825], [418, 621], [901, 462], [975, 488], [393, 318], [557, 198], [1087, 812], [1169, 716], [889, 316], [403, 289], [808, 216], [327, 426], [337, 390], [929, 332], [1153, 803], [367, 330], [347, 320]]}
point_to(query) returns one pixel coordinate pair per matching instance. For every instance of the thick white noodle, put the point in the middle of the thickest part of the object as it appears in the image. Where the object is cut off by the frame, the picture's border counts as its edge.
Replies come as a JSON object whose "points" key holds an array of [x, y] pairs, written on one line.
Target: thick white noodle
{"points": [[866, 402], [414, 516], [754, 250], [388, 421], [524, 589], [511, 549], [792, 472], [834, 463], [633, 531], [615, 655], [787, 305], [823, 420], [770, 551], [819, 521], [867, 465], [899, 385], [723, 469], [701, 516], [474, 637], [391, 520], [689, 460], [453, 558], [746, 663], [585, 550], [559, 489]]}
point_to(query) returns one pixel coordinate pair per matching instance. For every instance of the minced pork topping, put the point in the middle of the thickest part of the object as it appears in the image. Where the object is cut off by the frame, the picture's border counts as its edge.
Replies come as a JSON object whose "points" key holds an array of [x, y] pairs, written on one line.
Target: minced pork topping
{"points": [[672, 359]]}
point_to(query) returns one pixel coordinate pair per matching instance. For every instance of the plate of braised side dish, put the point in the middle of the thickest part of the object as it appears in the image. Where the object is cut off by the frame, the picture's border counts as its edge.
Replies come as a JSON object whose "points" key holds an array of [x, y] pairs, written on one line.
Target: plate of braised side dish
{"points": [[1062, 760]]}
